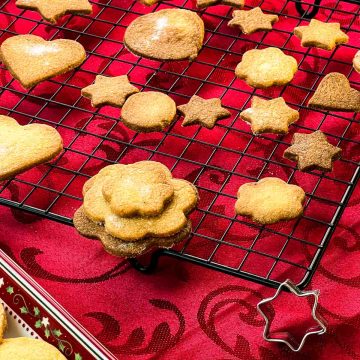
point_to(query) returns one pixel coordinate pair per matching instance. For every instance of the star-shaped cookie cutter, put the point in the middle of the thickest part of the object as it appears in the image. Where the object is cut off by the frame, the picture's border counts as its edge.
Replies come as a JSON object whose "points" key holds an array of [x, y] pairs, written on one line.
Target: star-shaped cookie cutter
{"points": [[288, 339]]}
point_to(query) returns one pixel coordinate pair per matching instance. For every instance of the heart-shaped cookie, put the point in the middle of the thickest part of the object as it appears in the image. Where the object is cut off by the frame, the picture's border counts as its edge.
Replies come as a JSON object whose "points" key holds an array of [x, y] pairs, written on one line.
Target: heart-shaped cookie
{"points": [[335, 93], [31, 59], [23, 147]]}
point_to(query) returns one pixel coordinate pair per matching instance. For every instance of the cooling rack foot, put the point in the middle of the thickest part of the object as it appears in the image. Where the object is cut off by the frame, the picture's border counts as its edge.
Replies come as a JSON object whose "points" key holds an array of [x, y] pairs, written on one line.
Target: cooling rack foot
{"points": [[148, 268], [305, 13]]}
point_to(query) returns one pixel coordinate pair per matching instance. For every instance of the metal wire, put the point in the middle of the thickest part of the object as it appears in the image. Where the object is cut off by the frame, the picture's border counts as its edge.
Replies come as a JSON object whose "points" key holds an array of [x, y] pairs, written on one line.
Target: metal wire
{"points": [[220, 240]]}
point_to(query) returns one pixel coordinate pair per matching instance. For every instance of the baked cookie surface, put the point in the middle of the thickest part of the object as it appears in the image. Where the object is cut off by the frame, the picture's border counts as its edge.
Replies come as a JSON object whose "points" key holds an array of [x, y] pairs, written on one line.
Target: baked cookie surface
{"points": [[31, 59], [53, 10], [269, 116], [148, 111], [23, 147], [321, 34], [312, 152], [270, 200], [170, 34], [266, 67], [3, 323], [28, 349], [252, 20], [335, 93]]}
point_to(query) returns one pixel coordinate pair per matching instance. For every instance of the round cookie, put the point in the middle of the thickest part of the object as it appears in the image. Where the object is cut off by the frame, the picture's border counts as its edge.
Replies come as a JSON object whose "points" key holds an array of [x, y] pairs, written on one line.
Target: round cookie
{"points": [[28, 349], [356, 61], [148, 111], [170, 34]]}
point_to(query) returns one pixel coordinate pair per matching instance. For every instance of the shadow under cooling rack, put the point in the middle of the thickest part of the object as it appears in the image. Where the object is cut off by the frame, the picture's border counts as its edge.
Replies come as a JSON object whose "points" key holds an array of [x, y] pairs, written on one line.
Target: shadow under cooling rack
{"points": [[217, 161]]}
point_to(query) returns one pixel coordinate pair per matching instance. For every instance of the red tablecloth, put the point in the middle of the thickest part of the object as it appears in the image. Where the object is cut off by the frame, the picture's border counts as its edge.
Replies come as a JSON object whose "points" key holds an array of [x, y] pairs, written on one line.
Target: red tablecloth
{"points": [[181, 311]]}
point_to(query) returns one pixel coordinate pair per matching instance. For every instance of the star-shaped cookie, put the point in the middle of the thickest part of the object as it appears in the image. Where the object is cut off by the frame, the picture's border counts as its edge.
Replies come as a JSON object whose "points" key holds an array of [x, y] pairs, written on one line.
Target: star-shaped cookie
{"points": [[204, 112], [252, 20], [270, 200], [320, 34], [205, 3], [149, 2], [53, 10], [269, 116], [312, 152], [109, 91]]}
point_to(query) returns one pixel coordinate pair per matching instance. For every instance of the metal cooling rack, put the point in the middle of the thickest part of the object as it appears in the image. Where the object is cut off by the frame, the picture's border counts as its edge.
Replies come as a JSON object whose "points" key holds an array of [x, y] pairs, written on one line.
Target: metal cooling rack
{"points": [[218, 162]]}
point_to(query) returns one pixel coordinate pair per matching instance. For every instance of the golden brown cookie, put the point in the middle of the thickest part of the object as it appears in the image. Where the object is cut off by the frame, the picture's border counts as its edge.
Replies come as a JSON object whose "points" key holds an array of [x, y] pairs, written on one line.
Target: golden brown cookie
{"points": [[334, 93], [3, 323], [312, 152], [269, 116], [53, 10], [252, 20], [149, 2], [128, 249], [206, 3], [109, 91], [132, 208], [23, 147], [148, 111], [356, 61], [266, 67], [22, 348], [170, 34], [31, 59], [270, 200], [320, 34], [204, 112]]}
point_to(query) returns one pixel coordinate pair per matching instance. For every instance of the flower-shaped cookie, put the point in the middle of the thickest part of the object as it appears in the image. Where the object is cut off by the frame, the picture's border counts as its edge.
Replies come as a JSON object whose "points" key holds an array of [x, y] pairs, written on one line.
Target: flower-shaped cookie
{"points": [[270, 200], [266, 67], [138, 203]]}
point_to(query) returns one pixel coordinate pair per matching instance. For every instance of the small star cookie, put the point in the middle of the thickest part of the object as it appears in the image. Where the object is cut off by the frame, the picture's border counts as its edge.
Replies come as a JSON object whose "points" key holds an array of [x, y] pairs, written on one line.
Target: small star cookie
{"points": [[53, 10], [206, 3], [335, 93], [252, 20], [312, 152], [149, 2], [109, 91], [270, 200], [204, 112], [269, 116], [356, 61], [262, 68], [320, 34]]}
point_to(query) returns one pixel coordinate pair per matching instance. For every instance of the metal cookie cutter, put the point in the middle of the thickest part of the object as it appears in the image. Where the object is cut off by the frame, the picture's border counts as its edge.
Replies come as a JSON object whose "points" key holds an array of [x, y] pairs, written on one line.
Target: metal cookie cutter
{"points": [[286, 337]]}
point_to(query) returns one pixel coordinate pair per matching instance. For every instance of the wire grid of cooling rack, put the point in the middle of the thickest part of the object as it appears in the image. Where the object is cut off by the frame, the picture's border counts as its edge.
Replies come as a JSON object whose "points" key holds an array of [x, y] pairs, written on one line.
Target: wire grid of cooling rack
{"points": [[218, 161]]}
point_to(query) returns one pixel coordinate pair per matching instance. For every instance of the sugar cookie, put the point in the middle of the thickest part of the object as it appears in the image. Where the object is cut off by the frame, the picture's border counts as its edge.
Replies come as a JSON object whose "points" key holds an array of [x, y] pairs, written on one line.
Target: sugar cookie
{"points": [[148, 111], [53, 10], [252, 20], [31, 59], [270, 200], [204, 112], [269, 116], [312, 152], [23, 147], [132, 208], [320, 34], [109, 91], [335, 93], [170, 34], [266, 67], [22, 348]]}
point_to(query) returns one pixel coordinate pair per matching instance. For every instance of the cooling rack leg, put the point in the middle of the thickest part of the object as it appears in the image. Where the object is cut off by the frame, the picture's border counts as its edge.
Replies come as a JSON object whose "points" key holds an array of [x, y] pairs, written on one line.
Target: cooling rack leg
{"points": [[305, 13], [150, 267]]}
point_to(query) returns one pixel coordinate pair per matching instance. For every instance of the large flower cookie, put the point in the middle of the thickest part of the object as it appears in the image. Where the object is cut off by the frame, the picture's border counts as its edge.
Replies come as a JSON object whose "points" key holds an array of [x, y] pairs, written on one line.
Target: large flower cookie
{"points": [[270, 200], [262, 68], [132, 208]]}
